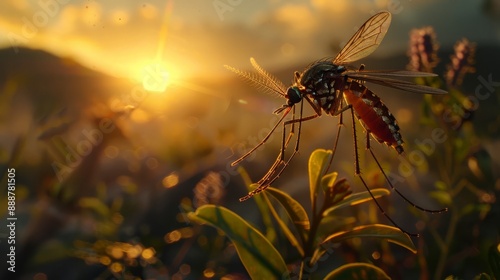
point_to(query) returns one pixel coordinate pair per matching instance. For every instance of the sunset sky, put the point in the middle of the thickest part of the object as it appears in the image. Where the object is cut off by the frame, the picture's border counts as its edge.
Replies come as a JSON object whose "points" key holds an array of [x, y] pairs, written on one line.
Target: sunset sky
{"points": [[192, 38]]}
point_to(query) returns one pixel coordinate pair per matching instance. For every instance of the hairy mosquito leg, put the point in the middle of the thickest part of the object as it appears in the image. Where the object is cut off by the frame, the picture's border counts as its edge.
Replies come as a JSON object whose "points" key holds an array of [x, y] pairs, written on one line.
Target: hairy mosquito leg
{"points": [[368, 140], [358, 173], [383, 211], [271, 175], [357, 170], [337, 137], [281, 156], [297, 144], [399, 193], [271, 170], [284, 143], [263, 183], [287, 110]]}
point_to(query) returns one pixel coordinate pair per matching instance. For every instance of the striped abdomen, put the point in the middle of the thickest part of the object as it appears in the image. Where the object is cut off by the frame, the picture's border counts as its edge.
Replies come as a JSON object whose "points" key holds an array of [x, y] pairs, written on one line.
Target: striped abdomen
{"points": [[374, 115]]}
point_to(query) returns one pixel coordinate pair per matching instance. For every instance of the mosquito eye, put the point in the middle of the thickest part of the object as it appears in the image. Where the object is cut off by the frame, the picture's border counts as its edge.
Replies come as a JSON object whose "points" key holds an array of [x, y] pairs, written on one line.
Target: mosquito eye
{"points": [[294, 95]]}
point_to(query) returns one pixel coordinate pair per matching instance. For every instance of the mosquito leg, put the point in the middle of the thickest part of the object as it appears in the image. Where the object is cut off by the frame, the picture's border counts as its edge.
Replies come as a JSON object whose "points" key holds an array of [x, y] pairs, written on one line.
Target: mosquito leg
{"points": [[263, 183], [271, 170], [368, 140], [383, 211], [287, 110], [357, 171], [398, 192], [297, 143], [275, 171], [292, 122], [337, 137], [284, 143], [281, 156], [339, 113]]}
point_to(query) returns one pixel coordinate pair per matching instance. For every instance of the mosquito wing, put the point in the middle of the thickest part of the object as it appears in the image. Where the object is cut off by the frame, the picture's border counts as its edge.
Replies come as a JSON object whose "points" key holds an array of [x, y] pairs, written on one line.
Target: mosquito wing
{"points": [[262, 79], [391, 78], [365, 40]]}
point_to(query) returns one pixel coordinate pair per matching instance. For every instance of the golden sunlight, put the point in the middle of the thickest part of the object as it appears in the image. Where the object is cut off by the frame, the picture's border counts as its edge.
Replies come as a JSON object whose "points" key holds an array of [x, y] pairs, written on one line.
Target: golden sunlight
{"points": [[155, 78]]}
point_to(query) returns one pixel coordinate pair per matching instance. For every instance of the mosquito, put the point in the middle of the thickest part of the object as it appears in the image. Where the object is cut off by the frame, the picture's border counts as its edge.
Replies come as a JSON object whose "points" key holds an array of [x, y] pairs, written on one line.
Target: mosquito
{"points": [[332, 86]]}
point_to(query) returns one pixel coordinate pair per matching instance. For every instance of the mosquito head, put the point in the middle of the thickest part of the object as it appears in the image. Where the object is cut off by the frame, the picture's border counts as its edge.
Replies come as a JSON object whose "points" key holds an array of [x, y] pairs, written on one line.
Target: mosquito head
{"points": [[293, 95]]}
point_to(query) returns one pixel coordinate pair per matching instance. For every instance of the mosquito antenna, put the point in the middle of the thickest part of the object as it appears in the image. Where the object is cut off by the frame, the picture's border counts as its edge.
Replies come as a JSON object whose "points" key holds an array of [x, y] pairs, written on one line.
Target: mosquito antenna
{"points": [[262, 80], [270, 80], [400, 194]]}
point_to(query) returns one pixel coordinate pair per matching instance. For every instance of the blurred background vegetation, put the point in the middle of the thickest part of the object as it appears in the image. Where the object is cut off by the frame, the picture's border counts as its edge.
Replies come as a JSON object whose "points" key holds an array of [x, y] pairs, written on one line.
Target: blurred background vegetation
{"points": [[120, 116]]}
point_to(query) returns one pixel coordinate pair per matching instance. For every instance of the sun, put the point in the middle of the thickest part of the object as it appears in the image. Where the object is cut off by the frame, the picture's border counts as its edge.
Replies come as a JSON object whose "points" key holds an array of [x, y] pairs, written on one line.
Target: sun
{"points": [[155, 78]]}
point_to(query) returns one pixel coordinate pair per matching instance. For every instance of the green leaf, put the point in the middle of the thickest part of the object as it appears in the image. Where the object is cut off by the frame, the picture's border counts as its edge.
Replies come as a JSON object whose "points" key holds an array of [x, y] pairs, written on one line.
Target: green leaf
{"points": [[333, 223], [440, 185], [442, 197], [328, 180], [95, 204], [389, 233], [317, 167], [358, 271], [426, 109], [270, 232], [467, 209], [482, 276], [265, 212], [494, 260], [284, 227], [328, 226], [481, 165], [294, 210], [357, 198], [258, 255]]}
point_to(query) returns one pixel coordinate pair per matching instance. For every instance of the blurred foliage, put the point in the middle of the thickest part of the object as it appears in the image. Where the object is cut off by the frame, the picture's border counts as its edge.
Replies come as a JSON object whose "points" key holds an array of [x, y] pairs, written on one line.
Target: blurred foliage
{"points": [[463, 164], [312, 238], [123, 260]]}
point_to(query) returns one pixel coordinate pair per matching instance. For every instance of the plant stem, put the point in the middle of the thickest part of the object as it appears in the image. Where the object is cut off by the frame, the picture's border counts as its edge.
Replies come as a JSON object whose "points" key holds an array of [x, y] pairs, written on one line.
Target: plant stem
{"points": [[447, 243], [309, 246], [301, 270]]}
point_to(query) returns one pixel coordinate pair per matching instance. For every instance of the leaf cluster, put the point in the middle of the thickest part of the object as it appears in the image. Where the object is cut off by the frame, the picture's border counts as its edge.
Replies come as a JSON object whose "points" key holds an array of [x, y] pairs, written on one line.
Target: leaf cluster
{"points": [[312, 237]]}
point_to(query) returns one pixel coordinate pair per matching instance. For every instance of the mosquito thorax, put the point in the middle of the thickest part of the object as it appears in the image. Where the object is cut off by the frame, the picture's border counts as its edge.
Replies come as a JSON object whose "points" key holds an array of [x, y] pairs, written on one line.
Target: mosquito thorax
{"points": [[318, 70], [294, 95]]}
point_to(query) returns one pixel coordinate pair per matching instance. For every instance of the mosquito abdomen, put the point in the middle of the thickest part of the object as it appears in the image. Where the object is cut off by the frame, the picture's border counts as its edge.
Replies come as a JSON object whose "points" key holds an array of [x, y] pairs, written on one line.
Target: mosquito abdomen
{"points": [[374, 115]]}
